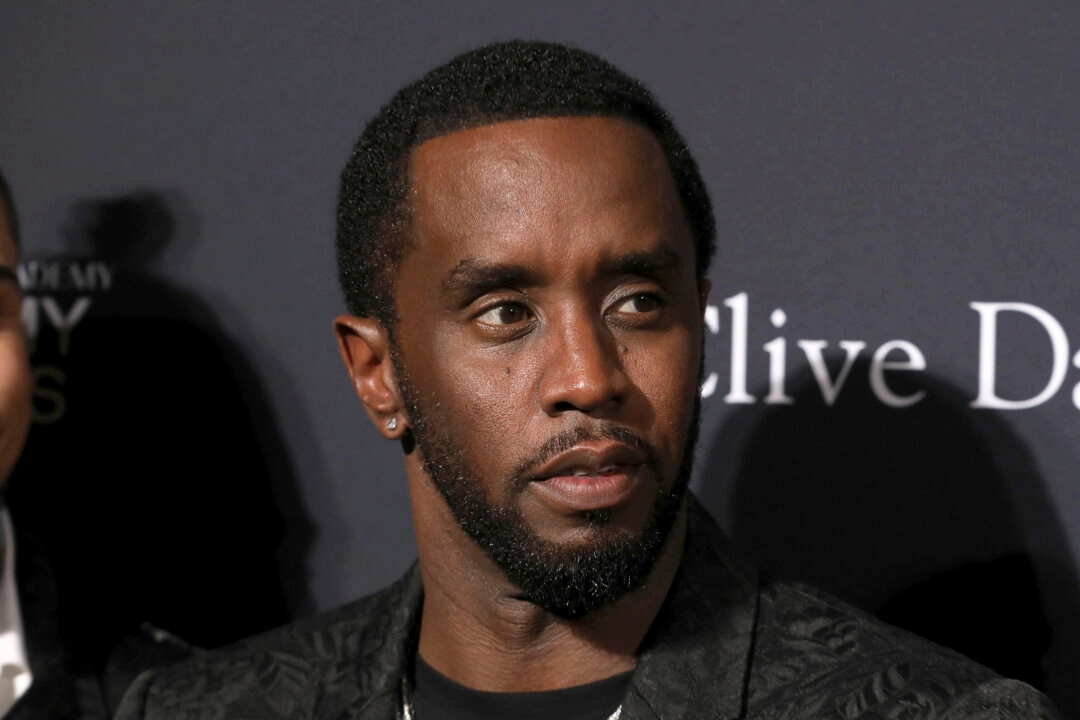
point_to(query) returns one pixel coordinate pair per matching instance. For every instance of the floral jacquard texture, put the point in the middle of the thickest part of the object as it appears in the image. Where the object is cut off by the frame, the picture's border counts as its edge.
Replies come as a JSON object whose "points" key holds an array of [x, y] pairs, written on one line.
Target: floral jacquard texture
{"points": [[726, 644]]}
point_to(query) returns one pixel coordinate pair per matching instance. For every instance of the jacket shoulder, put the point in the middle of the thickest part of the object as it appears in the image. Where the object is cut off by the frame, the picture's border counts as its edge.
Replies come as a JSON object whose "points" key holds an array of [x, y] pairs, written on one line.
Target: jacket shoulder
{"points": [[342, 658], [818, 656]]}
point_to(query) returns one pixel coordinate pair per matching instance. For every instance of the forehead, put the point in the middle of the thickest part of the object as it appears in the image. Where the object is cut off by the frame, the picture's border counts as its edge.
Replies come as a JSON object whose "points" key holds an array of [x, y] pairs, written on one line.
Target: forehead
{"points": [[554, 178]]}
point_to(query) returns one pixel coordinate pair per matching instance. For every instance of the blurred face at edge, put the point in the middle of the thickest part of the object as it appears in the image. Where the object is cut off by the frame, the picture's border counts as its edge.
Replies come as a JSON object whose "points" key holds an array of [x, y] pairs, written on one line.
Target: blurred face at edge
{"points": [[14, 360]]}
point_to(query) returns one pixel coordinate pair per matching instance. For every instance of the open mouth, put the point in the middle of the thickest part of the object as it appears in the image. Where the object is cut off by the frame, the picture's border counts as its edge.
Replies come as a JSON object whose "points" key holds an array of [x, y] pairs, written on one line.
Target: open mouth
{"points": [[585, 490], [590, 476], [593, 473]]}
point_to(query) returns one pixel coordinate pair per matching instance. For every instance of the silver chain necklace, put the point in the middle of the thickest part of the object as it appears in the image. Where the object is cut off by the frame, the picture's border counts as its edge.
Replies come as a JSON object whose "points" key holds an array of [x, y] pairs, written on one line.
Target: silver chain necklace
{"points": [[407, 710]]}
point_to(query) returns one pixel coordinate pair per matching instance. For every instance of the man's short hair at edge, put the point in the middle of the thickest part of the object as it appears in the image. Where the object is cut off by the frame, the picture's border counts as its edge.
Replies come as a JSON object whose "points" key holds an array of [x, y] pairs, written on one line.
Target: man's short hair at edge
{"points": [[501, 82]]}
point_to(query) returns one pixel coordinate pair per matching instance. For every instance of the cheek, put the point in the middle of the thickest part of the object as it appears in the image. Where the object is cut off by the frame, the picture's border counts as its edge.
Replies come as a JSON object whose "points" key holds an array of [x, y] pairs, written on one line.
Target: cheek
{"points": [[479, 393], [14, 400], [665, 373], [489, 394]]}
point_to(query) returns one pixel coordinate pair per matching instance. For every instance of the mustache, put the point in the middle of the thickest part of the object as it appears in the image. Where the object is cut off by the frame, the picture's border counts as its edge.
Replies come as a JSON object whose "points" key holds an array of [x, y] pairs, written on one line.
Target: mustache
{"points": [[563, 441]]}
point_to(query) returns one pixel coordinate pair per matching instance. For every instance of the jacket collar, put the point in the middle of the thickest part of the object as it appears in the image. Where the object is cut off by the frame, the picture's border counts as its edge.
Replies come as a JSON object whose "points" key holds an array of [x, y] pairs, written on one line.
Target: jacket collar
{"points": [[696, 659], [384, 654], [694, 662]]}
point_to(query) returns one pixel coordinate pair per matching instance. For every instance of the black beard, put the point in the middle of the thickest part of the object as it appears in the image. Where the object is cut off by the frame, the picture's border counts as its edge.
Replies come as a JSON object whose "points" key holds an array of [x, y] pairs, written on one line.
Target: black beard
{"points": [[566, 581]]}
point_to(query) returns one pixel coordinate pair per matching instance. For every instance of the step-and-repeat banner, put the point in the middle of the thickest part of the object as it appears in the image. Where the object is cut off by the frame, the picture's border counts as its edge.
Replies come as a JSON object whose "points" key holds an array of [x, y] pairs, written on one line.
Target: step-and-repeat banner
{"points": [[892, 382]]}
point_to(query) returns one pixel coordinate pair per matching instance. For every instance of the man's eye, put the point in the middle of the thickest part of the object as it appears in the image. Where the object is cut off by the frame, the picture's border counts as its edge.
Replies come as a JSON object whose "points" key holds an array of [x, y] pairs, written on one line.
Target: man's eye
{"points": [[505, 314], [639, 303]]}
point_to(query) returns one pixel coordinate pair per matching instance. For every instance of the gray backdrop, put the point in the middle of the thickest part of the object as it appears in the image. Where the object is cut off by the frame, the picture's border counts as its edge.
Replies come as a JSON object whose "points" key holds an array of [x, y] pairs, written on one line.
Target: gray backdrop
{"points": [[877, 169]]}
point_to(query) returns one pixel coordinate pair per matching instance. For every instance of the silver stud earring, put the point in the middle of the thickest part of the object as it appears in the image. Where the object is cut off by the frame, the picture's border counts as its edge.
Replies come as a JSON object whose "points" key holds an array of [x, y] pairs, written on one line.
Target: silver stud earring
{"points": [[391, 424]]}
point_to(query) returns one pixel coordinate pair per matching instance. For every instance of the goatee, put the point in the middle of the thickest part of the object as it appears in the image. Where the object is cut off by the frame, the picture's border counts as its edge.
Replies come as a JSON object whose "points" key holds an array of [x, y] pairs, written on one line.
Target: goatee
{"points": [[569, 581]]}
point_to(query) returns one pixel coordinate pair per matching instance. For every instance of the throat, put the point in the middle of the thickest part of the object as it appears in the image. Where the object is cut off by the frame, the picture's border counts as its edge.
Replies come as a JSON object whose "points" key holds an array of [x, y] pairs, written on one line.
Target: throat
{"points": [[515, 646]]}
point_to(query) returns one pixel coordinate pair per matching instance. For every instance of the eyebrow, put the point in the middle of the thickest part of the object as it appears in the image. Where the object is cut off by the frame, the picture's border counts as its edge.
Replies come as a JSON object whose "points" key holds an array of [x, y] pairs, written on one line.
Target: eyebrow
{"points": [[649, 263], [475, 277]]}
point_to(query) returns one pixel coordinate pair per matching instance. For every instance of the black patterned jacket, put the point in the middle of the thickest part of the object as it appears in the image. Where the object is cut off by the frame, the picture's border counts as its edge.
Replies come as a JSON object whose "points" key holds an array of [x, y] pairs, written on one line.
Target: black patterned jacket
{"points": [[726, 644]]}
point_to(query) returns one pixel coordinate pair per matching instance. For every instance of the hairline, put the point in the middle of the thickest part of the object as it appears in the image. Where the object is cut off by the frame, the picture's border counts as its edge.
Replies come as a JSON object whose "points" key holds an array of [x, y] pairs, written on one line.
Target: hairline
{"points": [[501, 82]]}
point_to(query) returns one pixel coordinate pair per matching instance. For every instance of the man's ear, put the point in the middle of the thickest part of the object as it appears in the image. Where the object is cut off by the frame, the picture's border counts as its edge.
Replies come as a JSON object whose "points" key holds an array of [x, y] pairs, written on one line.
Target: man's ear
{"points": [[365, 347]]}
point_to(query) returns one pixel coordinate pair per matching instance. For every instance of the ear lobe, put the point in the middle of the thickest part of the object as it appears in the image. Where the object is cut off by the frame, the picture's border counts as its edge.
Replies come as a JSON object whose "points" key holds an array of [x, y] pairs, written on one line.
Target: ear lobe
{"points": [[365, 350]]}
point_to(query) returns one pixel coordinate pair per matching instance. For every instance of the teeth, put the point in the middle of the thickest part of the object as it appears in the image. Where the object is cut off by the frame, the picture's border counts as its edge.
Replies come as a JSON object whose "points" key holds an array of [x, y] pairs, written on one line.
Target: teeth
{"points": [[602, 471]]}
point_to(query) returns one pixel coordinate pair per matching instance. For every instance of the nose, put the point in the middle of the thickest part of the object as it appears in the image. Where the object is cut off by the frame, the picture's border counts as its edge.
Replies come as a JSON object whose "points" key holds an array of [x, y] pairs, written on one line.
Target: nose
{"points": [[583, 372]]}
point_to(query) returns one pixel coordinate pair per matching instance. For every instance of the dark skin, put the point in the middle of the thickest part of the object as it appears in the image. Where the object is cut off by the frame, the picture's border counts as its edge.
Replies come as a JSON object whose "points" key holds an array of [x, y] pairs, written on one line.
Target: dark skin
{"points": [[14, 361], [548, 284]]}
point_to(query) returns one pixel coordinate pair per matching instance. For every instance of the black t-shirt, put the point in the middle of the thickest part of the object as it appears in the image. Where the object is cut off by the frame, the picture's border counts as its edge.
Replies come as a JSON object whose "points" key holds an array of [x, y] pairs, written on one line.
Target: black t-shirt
{"points": [[436, 697]]}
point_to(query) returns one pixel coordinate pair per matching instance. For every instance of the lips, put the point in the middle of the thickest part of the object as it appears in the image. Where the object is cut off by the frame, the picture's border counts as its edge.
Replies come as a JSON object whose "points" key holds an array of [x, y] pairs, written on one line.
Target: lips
{"points": [[590, 476], [590, 458]]}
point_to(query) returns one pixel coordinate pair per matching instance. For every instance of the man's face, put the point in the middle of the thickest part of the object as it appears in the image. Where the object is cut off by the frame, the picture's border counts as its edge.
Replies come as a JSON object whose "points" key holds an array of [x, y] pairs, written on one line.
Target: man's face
{"points": [[14, 363], [549, 347]]}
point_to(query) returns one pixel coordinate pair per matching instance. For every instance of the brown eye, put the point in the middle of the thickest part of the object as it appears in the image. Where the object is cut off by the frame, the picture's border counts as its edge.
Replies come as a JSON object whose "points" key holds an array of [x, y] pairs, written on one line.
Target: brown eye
{"points": [[505, 314], [639, 303]]}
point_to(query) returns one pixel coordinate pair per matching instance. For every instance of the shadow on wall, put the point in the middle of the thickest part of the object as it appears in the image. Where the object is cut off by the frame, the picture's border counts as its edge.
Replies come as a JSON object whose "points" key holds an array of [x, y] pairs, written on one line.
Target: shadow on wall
{"points": [[911, 514], [155, 474]]}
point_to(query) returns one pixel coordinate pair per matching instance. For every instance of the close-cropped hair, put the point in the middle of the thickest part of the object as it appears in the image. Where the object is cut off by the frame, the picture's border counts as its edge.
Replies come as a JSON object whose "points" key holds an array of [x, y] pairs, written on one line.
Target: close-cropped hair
{"points": [[7, 202], [501, 82]]}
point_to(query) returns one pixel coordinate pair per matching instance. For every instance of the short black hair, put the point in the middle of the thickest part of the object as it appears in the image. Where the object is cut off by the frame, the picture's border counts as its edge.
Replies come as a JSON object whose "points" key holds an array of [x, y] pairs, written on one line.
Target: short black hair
{"points": [[501, 82], [7, 202]]}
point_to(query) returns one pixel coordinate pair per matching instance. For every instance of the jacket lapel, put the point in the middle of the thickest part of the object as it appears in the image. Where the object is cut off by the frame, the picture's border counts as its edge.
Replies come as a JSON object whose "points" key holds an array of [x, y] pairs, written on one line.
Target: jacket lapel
{"points": [[57, 691], [695, 661], [367, 684]]}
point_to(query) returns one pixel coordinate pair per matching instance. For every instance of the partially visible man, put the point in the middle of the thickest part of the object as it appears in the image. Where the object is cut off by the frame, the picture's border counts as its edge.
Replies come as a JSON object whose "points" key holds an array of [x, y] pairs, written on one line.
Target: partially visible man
{"points": [[40, 679], [523, 242], [17, 676]]}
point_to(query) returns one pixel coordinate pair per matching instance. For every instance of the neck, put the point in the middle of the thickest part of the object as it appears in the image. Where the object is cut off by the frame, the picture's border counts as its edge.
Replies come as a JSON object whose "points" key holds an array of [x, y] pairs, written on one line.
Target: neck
{"points": [[477, 632]]}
